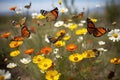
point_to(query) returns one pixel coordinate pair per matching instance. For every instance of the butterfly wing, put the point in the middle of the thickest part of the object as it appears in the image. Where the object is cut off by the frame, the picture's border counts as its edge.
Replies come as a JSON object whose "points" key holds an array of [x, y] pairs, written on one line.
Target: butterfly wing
{"points": [[90, 26], [55, 12], [25, 32], [79, 16], [52, 39], [99, 31]]}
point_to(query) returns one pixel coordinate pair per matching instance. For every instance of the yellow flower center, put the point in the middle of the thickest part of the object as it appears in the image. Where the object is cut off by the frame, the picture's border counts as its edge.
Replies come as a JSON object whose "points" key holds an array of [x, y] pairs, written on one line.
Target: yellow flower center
{"points": [[115, 35], [76, 58], [45, 65]]}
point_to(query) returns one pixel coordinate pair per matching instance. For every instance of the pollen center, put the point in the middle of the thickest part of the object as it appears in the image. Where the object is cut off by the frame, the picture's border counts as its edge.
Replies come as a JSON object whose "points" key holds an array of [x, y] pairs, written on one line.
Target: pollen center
{"points": [[115, 35]]}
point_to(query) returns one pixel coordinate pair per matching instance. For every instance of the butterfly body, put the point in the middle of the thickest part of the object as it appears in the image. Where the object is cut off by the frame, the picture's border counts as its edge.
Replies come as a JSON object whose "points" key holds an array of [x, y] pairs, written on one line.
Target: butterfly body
{"points": [[97, 32], [50, 15]]}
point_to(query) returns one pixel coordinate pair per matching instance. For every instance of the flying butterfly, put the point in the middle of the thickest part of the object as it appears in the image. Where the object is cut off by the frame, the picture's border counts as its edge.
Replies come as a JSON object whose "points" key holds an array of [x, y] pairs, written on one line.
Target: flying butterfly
{"points": [[97, 32], [25, 32], [13, 8], [79, 16], [55, 39], [20, 23], [50, 15], [28, 6]]}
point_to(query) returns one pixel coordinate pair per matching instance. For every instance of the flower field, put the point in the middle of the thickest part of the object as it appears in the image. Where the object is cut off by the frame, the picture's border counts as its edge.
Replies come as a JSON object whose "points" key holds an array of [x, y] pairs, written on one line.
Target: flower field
{"points": [[60, 44]]}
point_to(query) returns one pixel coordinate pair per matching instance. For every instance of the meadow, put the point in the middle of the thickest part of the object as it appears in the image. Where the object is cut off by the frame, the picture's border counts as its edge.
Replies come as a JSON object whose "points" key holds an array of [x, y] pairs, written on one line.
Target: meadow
{"points": [[77, 55]]}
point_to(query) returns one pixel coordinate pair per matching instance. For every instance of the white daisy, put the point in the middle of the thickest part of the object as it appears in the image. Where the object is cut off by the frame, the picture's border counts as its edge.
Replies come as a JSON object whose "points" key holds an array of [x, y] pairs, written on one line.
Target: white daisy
{"points": [[79, 39], [25, 60], [102, 49], [81, 24], [114, 35], [63, 10], [101, 43], [34, 15], [11, 65], [58, 23], [83, 21], [55, 51], [4, 75]]}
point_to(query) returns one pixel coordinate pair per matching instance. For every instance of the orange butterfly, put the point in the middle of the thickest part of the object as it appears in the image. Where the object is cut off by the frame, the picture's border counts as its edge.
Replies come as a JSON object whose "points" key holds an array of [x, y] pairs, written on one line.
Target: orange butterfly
{"points": [[97, 32], [25, 32], [28, 6], [5, 35], [13, 8], [79, 16], [18, 38], [50, 15], [54, 39]]}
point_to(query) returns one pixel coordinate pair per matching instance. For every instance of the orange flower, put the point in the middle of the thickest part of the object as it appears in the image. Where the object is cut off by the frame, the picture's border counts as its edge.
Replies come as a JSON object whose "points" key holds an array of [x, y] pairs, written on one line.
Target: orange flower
{"points": [[5, 35], [29, 51], [46, 50], [13, 8], [71, 47]]}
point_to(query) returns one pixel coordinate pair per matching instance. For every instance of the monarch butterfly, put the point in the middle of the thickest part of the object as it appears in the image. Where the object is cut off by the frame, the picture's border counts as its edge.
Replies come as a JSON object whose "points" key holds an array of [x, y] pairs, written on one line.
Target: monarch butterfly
{"points": [[54, 39], [20, 23], [79, 16], [97, 32], [50, 15], [25, 32], [28, 6], [13, 8]]}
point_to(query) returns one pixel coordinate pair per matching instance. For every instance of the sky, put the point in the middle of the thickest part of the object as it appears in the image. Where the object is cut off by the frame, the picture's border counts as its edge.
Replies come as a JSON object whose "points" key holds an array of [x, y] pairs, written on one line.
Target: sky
{"points": [[37, 5]]}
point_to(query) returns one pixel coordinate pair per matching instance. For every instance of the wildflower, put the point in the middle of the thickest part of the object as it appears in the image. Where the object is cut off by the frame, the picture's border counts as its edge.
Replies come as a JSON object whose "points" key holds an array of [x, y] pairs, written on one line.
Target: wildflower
{"points": [[81, 24], [61, 32], [5, 35], [45, 64], [79, 39], [73, 26], [71, 47], [29, 51], [15, 53], [15, 44], [58, 23], [63, 10], [67, 25], [102, 49], [83, 21], [75, 57], [115, 61], [93, 20], [55, 51], [34, 15], [11, 65], [4, 75], [46, 50], [58, 56], [40, 16], [52, 75], [25, 60], [82, 31], [66, 37], [88, 54], [59, 43], [101, 43], [114, 35], [37, 58]]}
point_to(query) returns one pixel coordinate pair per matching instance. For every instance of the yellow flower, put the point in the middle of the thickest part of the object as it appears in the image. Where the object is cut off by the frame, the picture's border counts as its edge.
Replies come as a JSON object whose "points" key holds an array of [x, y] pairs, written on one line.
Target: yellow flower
{"points": [[88, 54], [82, 31], [75, 57], [45, 64], [115, 61], [40, 16], [52, 75], [73, 26], [67, 37], [15, 53], [60, 32], [59, 43], [37, 58], [15, 44], [93, 20]]}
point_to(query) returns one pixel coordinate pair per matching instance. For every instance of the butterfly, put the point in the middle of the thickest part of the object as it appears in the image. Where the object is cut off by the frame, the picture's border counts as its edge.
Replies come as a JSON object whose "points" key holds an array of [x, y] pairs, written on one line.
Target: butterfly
{"points": [[50, 15], [55, 39], [18, 38], [79, 16], [13, 8], [20, 23], [28, 6], [25, 32], [5, 35], [97, 32]]}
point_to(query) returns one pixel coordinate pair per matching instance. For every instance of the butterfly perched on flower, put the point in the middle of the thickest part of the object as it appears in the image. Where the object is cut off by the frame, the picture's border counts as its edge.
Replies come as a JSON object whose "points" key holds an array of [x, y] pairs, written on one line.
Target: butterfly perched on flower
{"points": [[50, 15], [92, 29], [79, 16], [28, 6], [19, 23], [55, 39], [25, 32]]}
